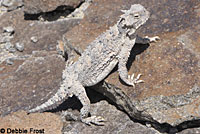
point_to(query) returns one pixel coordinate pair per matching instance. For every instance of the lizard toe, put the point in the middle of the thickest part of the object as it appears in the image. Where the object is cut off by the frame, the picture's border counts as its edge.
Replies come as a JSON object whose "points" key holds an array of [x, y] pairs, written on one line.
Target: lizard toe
{"points": [[133, 80], [94, 120]]}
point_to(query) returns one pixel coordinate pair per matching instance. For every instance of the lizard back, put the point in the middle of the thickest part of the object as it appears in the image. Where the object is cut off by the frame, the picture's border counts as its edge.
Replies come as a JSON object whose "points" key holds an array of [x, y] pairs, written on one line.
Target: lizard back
{"points": [[99, 58]]}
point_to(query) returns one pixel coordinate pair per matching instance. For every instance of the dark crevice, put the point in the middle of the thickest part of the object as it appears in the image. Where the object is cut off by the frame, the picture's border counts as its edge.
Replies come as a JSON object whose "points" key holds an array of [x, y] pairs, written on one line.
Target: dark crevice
{"points": [[188, 124], [96, 96], [31, 16], [113, 94], [167, 128], [162, 128], [52, 15]]}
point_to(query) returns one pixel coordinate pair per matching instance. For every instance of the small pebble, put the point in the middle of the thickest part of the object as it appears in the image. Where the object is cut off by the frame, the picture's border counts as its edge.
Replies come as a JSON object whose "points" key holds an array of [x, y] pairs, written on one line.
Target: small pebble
{"points": [[19, 47], [8, 45], [148, 125], [4, 39], [2, 68], [9, 62], [7, 3], [12, 50], [3, 9], [8, 29], [34, 39]]}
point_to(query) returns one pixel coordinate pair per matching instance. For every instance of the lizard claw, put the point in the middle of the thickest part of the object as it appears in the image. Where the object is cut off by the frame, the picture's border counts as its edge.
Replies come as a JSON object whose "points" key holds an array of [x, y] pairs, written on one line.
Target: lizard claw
{"points": [[69, 63], [96, 120], [153, 39], [134, 80]]}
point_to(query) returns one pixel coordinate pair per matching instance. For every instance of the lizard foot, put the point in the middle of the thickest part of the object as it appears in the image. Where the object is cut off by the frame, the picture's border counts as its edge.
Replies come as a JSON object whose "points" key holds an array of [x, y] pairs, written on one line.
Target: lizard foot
{"points": [[69, 116], [96, 120], [153, 39], [134, 80]]}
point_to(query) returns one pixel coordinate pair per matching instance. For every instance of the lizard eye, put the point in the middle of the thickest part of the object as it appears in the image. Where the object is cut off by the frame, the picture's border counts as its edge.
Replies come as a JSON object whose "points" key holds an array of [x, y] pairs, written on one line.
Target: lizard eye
{"points": [[136, 16]]}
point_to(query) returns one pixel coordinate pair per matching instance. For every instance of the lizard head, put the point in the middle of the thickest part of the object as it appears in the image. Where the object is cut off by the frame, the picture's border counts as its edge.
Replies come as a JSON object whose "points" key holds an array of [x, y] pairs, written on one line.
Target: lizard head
{"points": [[133, 18]]}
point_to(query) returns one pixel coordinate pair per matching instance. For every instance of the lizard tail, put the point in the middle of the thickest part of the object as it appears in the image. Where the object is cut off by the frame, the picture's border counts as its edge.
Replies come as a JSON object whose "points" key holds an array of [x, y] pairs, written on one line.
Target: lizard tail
{"points": [[53, 102]]}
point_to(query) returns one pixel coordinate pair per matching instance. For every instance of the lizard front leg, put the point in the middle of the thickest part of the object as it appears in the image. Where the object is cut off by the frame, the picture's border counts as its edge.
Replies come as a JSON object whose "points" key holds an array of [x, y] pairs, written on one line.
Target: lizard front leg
{"points": [[124, 55], [122, 69]]}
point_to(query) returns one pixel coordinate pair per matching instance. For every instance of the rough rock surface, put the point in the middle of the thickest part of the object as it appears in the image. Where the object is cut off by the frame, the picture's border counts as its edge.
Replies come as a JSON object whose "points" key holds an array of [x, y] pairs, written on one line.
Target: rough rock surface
{"points": [[170, 67], [47, 123], [117, 122], [170, 95], [12, 4], [38, 6], [29, 80], [20, 80]]}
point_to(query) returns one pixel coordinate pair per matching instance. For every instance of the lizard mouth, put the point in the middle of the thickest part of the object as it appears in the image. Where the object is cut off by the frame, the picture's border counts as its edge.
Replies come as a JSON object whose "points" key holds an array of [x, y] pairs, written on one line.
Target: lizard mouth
{"points": [[131, 31], [129, 28]]}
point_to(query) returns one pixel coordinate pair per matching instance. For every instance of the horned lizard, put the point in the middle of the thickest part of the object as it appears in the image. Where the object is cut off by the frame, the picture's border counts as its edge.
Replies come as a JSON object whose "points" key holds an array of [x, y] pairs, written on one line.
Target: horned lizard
{"points": [[97, 61]]}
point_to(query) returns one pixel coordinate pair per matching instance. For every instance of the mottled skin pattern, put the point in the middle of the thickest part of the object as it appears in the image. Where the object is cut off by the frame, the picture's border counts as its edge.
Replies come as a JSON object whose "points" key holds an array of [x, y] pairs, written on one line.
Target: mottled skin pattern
{"points": [[97, 61]]}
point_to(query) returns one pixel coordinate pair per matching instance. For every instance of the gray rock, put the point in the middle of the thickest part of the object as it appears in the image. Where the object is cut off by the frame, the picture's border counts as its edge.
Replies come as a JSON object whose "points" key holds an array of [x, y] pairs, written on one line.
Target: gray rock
{"points": [[7, 34], [34, 39], [9, 29], [12, 4], [8, 3], [38, 6], [5, 38], [175, 74], [3, 9], [9, 62], [19, 47], [170, 93], [31, 70], [12, 50], [117, 122], [2, 68], [8, 45], [190, 131]]}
